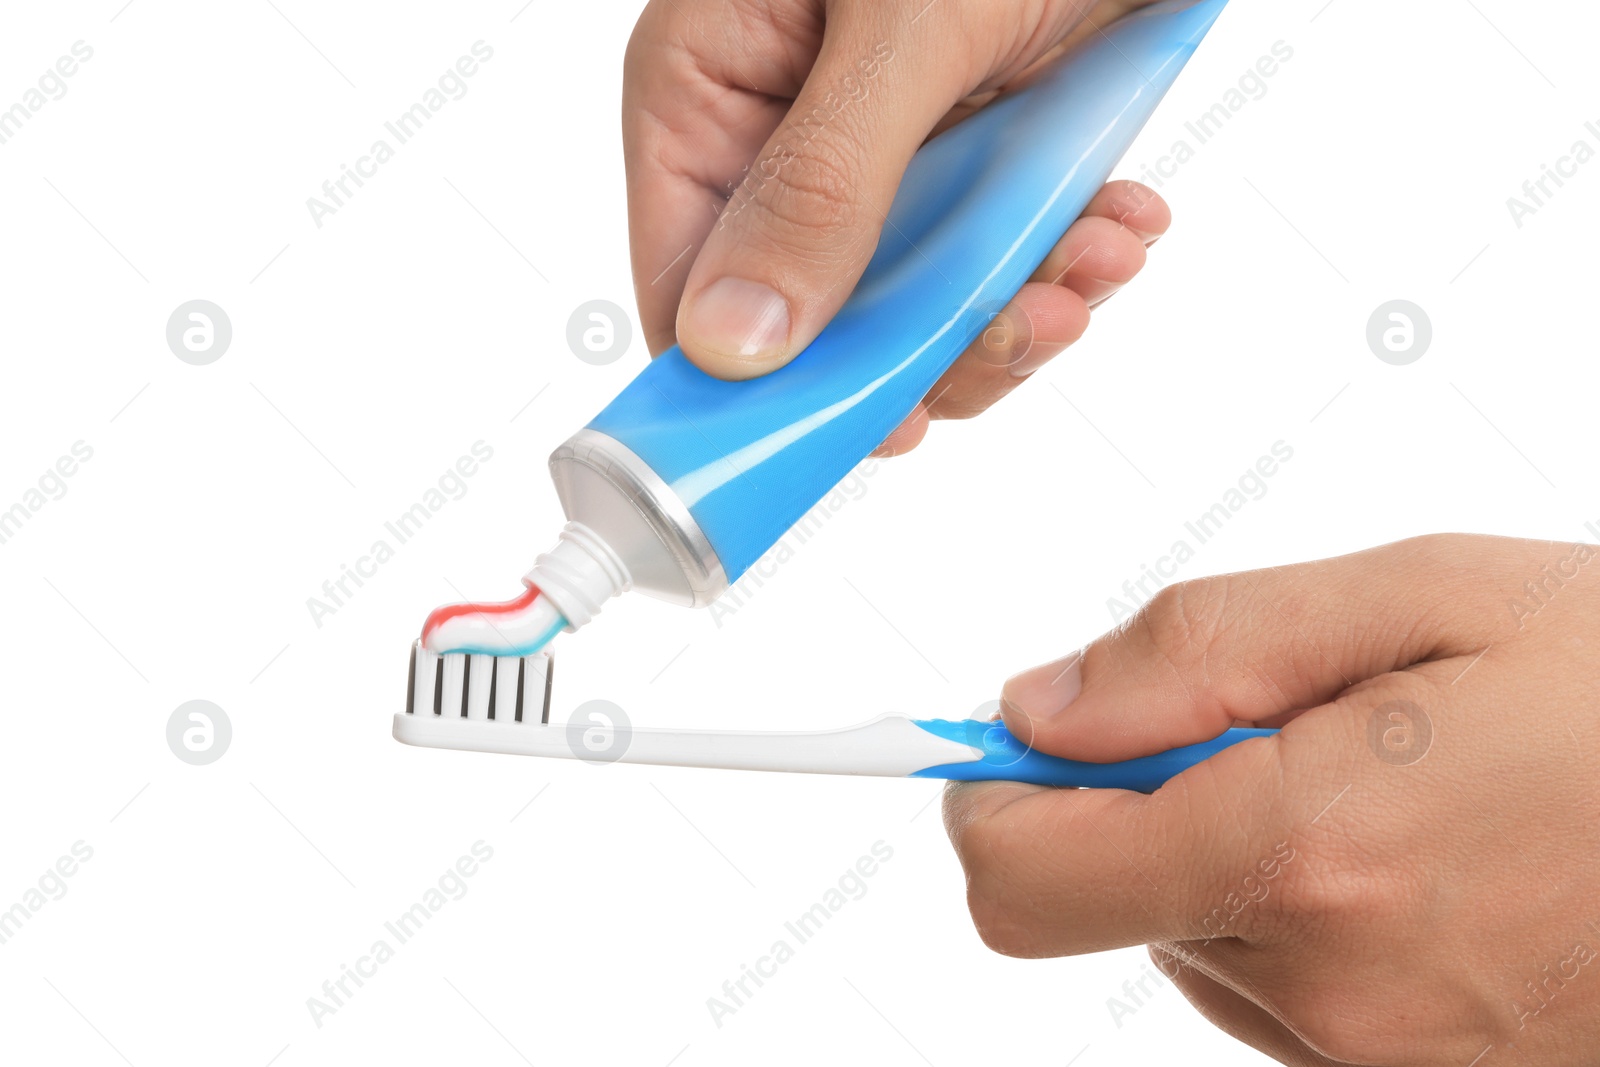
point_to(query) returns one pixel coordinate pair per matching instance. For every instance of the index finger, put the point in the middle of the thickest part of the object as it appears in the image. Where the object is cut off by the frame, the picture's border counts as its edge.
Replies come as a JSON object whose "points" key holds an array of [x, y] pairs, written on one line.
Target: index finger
{"points": [[689, 127]]}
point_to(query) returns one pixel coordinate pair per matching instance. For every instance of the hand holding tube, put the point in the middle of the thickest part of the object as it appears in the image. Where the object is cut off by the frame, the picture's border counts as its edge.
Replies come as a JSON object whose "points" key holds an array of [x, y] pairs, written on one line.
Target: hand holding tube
{"points": [[763, 153]]}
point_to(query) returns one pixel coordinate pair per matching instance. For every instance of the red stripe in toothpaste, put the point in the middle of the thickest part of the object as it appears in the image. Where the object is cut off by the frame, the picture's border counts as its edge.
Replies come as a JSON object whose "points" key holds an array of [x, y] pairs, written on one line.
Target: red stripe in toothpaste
{"points": [[452, 611]]}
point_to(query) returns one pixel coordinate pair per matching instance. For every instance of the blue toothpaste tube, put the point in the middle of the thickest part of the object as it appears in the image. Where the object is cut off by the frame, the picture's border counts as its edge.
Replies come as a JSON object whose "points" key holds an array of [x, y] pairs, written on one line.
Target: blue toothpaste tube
{"points": [[684, 480]]}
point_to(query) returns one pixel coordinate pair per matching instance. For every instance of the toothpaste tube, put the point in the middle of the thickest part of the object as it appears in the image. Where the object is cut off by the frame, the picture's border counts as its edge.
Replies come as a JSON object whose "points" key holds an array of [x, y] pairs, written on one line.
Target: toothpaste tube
{"points": [[684, 480]]}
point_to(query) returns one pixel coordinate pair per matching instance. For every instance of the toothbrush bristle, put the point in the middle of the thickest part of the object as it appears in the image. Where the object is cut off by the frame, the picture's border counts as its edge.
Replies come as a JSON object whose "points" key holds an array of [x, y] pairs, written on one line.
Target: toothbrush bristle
{"points": [[453, 684], [507, 687], [494, 675], [521, 666], [477, 686], [411, 678], [549, 677], [480, 687]]}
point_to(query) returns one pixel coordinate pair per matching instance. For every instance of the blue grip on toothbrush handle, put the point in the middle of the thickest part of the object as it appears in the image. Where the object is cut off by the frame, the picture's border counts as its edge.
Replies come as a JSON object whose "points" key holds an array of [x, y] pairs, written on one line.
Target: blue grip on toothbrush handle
{"points": [[1006, 759]]}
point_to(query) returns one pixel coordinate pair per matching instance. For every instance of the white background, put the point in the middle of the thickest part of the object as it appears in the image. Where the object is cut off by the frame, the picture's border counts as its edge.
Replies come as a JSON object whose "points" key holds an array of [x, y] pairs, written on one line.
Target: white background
{"points": [[371, 353]]}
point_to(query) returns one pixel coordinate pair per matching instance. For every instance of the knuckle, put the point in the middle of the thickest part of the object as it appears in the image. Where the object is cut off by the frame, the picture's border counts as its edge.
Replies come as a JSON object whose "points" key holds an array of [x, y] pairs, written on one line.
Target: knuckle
{"points": [[1346, 1014], [997, 924], [1183, 621], [1115, 255], [986, 844], [644, 46], [1445, 557], [1443, 546], [1130, 191], [1128, 198], [1336, 1025], [978, 839], [805, 197], [1165, 959], [1319, 894], [1311, 895], [960, 404]]}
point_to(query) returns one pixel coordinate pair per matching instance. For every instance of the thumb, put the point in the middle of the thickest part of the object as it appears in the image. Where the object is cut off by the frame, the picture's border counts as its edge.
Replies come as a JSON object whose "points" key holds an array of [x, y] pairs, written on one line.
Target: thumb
{"points": [[797, 233], [1205, 654]]}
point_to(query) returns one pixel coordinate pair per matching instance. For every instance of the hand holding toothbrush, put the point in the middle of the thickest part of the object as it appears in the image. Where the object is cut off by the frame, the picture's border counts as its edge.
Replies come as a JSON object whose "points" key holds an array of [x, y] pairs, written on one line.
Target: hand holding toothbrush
{"points": [[764, 144], [1409, 873]]}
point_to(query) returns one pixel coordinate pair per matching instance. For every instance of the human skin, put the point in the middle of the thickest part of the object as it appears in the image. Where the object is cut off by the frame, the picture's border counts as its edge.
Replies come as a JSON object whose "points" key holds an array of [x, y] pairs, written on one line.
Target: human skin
{"points": [[1408, 874], [713, 87], [1425, 890]]}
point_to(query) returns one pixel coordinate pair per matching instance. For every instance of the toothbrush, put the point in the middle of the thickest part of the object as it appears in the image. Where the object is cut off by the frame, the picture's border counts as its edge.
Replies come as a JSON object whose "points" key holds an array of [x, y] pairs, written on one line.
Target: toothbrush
{"points": [[483, 703], [683, 481]]}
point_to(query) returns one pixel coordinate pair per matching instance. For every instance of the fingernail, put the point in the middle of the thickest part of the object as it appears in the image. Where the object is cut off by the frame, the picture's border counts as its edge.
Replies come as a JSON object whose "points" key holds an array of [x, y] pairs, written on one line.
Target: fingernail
{"points": [[737, 317], [1108, 296], [1038, 354], [1046, 691]]}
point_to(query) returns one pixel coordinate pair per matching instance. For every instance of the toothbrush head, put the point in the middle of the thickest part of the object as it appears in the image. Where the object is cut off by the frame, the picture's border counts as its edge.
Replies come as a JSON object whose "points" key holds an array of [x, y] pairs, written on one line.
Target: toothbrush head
{"points": [[479, 687], [475, 702]]}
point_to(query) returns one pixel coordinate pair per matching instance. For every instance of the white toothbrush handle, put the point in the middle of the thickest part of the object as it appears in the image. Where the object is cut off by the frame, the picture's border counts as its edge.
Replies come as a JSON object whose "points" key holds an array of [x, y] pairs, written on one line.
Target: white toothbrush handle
{"points": [[891, 746], [482, 703]]}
